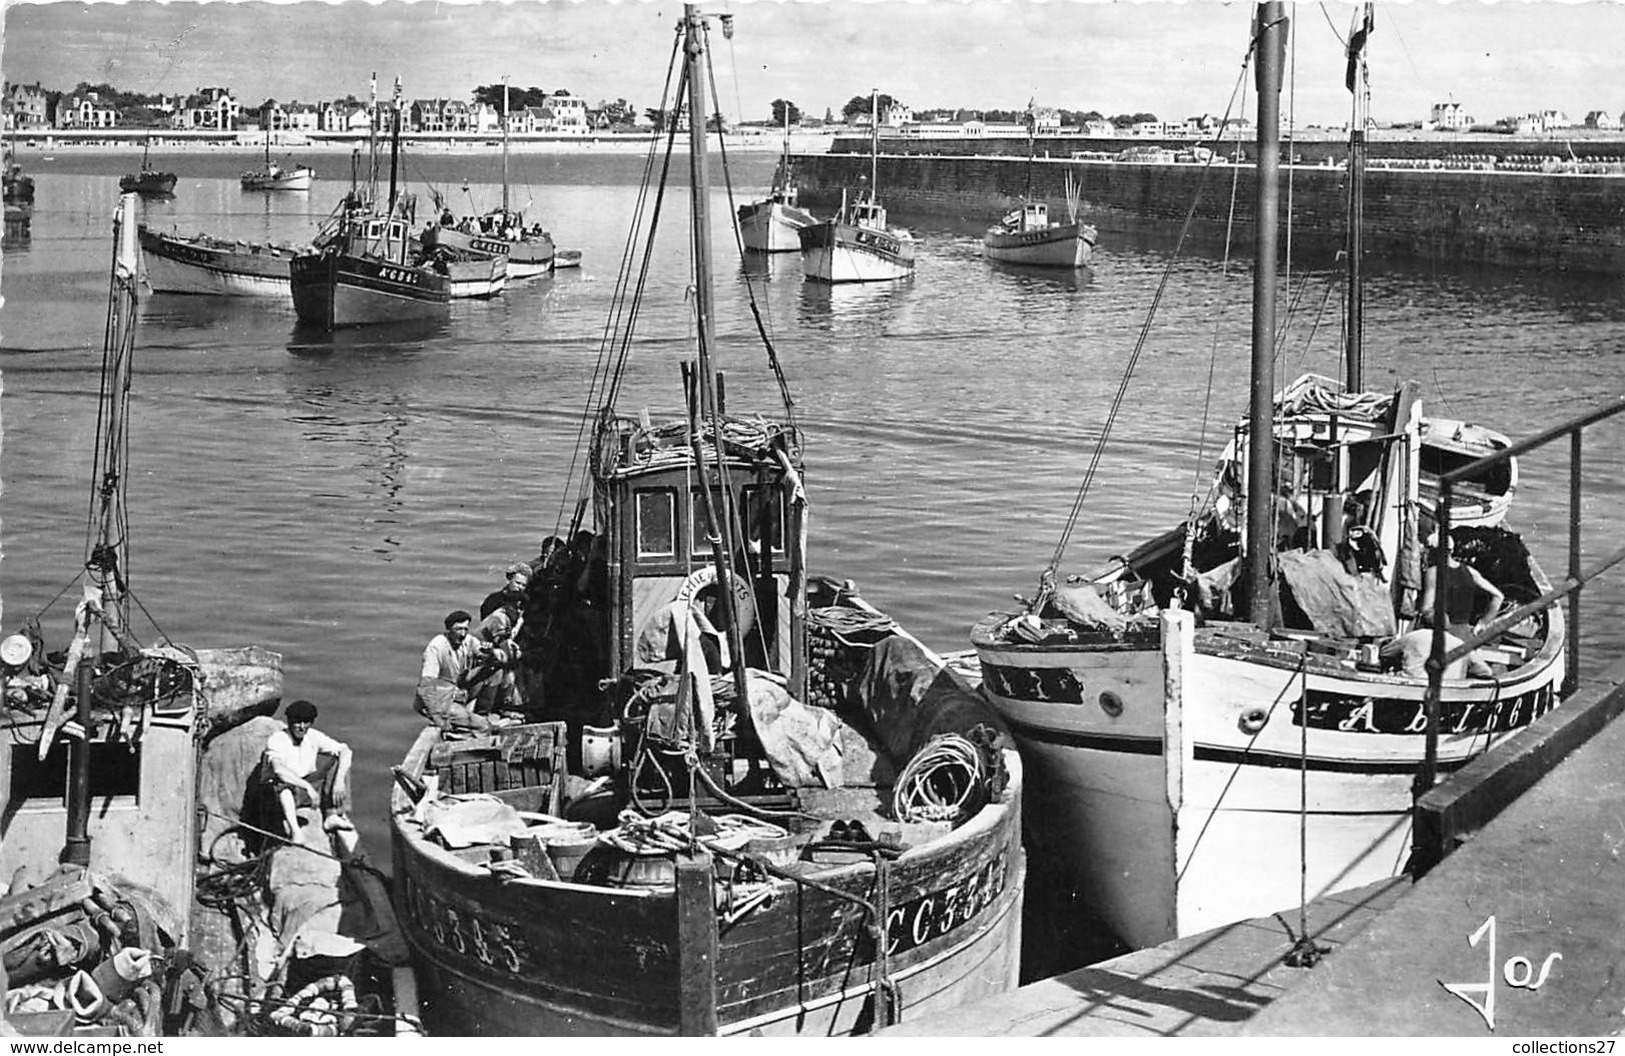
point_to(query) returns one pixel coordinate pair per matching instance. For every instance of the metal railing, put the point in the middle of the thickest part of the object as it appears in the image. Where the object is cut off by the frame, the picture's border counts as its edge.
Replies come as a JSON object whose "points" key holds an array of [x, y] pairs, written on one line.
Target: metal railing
{"points": [[1441, 658]]}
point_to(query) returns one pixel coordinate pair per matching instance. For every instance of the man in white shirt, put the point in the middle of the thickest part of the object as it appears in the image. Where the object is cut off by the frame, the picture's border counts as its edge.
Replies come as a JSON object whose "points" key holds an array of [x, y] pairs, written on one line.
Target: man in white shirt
{"points": [[296, 755], [441, 696]]}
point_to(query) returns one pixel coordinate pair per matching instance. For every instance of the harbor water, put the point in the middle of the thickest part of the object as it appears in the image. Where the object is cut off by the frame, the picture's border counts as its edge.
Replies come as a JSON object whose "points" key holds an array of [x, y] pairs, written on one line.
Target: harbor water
{"points": [[332, 497]]}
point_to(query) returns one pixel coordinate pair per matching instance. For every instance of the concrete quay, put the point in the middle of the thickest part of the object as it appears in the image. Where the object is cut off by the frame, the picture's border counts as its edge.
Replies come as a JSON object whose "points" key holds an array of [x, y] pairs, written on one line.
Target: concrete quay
{"points": [[1519, 932]]}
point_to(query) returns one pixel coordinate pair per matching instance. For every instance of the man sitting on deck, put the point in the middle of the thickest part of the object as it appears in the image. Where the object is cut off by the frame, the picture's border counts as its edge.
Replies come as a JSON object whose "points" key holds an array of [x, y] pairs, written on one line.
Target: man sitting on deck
{"points": [[294, 756]]}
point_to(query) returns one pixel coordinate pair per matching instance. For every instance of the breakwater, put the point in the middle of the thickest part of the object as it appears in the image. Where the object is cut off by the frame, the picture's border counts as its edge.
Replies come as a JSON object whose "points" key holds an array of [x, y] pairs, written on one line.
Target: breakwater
{"points": [[1571, 220]]}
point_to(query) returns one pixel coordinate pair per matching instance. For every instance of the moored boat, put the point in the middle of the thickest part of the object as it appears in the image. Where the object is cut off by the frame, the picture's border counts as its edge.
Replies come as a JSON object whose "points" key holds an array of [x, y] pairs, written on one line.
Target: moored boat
{"points": [[1028, 236], [858, 244], [743, 800], [773, 224], [140, 899], [471, 275], [500, 232], [273, 177], [362, 270], [1234, 716], [148, 182], [202, 264]]}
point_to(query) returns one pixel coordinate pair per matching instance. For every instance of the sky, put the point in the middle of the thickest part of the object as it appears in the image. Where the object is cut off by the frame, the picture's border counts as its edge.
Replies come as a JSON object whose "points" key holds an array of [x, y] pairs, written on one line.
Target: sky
{"points": [[1169, 58]]}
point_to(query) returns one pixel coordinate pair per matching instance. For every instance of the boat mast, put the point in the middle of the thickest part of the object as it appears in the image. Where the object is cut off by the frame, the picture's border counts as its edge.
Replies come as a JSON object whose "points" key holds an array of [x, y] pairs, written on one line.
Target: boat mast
{"points": [[1270, 34], [720, 528], [1032, 143], [372, 142], [1356, 81], [395, 145], [504, 148], [874, 144]]}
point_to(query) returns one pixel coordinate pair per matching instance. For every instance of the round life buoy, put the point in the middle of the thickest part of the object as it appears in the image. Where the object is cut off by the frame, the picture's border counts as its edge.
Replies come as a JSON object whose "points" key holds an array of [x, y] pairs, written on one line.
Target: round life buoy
{"points": [[324, 1009], [744, 602]]}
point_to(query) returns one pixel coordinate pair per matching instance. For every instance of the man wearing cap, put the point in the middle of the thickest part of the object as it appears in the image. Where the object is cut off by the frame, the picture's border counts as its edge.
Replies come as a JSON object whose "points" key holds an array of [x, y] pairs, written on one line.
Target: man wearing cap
{"points": [[442, 695], [296, 755], [511, 593]]}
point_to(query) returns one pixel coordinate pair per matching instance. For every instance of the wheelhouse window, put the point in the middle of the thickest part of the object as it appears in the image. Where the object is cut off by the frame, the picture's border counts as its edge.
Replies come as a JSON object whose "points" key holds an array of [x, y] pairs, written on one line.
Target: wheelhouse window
{"points": [[656, 512], [115, 770], [764, 518]]}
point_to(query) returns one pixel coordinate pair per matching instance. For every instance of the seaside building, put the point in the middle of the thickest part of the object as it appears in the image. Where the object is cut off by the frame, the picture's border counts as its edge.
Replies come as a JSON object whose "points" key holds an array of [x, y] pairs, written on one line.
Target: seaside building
{"points": [[211, 109], [25, 107], [1450, 116], [85, 110], [1601, 119]]}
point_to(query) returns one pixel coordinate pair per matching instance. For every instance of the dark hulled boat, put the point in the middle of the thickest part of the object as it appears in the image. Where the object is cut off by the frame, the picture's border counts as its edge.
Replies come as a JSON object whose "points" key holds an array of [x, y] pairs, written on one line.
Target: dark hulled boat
{"points": [[742, 800], [148, 181]]}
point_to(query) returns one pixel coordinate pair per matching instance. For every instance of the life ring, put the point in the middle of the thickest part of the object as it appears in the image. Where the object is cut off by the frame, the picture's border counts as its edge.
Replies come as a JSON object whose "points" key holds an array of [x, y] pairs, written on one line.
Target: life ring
{"points": [[324, 1009], [744, 601], [1252, 720]]}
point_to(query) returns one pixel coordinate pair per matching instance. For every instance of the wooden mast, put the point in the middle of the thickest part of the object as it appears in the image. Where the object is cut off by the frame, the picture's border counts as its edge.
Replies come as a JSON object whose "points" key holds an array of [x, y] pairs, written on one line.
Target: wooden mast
{"points": [[874, 144], [1270, 33], [722, 542], [1355, 336], [504, 148]]}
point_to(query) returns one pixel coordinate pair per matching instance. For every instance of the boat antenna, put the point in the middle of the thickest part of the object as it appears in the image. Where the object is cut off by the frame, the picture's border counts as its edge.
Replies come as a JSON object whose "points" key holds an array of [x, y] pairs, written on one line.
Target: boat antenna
{"points": [[1270, 39], [1359, 87]]}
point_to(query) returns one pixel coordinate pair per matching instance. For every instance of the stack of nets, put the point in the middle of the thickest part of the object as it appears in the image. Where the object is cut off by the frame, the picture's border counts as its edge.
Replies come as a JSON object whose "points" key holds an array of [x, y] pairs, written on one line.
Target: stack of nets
{"points": [[839, 638]]}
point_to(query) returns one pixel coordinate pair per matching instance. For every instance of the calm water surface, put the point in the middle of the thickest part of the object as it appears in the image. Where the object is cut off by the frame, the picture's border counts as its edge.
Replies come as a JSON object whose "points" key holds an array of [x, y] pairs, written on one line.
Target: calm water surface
{"points": [[332, 497]]}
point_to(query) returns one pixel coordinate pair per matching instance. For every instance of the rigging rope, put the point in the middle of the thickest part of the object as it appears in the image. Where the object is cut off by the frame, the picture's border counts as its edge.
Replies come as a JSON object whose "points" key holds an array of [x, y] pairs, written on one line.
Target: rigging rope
{"points": [[1047, 578]]}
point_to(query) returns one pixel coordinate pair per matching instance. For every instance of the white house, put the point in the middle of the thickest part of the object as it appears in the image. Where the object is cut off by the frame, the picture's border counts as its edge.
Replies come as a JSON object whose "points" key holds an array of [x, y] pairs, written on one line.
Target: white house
{"points": [[208, 108], [1451, 116], [1601, 119], [85, 111]]}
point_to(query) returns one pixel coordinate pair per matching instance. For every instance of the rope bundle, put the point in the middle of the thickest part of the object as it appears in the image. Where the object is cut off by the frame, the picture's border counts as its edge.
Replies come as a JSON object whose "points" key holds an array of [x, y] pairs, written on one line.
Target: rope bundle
{"points": [[945, 781]]}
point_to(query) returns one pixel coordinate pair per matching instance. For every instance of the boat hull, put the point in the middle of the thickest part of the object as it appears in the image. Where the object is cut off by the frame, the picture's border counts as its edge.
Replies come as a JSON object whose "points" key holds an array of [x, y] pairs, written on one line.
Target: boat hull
{"points": [[207, 266], [1058, 246], [299, 179], [149, 184], [1171, 781], [535, 957], [528, 257], [335, 290], [772, 227], [479, 279], [836, 252]]}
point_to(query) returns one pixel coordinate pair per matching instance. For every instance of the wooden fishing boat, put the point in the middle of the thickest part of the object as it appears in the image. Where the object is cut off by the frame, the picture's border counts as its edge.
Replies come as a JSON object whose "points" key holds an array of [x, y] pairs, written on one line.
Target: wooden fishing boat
{"points": [[858, 244], [744, 801], [773, 224], [273, 177], [1233, 716], [148, 182], [1028, 236], [202, 264], [500, 232], [471, 274], [362, 270], [134, 885]]}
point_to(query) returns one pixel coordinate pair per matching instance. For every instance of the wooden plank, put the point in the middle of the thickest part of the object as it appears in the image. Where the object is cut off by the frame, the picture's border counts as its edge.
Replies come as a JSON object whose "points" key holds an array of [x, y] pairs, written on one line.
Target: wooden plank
{"points": [[696, 946]]}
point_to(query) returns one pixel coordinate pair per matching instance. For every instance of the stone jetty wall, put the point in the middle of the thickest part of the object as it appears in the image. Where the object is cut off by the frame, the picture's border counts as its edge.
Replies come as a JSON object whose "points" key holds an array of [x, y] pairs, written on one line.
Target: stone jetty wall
{"points": [[1505, 218]]}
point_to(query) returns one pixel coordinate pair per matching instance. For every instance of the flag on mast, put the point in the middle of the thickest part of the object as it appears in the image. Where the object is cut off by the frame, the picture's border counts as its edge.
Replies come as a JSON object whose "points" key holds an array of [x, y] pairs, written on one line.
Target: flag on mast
{"points": [[1357, 39]]}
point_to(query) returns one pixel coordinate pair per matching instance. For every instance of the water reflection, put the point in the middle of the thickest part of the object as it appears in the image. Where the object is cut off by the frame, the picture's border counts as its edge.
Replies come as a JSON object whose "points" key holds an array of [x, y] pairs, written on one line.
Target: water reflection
{"points": [[850, 304], [405, 336], [1025, 278]]}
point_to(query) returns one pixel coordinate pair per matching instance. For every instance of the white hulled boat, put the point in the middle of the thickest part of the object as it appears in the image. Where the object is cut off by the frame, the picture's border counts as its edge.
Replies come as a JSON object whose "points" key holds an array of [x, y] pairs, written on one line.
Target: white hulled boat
{"points": [[858, 244], [1233, 716]]}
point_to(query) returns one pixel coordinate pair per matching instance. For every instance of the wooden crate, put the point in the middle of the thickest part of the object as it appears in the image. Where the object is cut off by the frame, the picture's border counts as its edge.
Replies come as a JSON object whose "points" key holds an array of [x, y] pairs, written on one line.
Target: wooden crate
{"points": [[531, 756]]}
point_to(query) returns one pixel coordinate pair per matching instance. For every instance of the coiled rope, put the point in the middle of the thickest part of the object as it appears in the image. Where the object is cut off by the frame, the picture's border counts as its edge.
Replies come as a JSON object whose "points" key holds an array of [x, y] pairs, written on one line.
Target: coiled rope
{"points": [[945, 781]]}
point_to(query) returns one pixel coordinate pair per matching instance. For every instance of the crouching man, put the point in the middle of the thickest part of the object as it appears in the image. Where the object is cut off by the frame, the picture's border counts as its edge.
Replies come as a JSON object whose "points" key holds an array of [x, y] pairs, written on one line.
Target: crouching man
{"points": [[304, 767]]}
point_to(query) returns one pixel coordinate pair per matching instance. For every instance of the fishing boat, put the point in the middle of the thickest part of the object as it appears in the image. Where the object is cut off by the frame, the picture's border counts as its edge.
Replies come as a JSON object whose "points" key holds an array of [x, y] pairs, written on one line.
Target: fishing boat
{"points": [[742, 800], [773, 224], [138, 897], [203, 264], [471, 273], [1026, 234], [1231, 719], [500, 232], [273, 177], [858, 244], [149, 182], [362, 270]]}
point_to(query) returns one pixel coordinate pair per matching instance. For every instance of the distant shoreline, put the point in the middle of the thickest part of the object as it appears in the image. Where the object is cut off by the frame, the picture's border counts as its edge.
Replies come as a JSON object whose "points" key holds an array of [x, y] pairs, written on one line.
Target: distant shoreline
{"points": [[53, 142]]}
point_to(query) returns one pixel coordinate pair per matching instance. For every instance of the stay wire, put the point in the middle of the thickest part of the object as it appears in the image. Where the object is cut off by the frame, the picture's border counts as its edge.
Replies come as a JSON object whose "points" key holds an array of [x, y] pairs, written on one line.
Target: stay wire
{"points": [[739, 243], [605, 382]]}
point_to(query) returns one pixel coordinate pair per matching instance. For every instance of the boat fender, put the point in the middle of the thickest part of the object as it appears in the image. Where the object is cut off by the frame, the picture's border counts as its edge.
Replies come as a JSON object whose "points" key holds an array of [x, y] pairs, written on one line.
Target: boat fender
{"points": [[1111, 703], [1252, 720], [744, 603]]}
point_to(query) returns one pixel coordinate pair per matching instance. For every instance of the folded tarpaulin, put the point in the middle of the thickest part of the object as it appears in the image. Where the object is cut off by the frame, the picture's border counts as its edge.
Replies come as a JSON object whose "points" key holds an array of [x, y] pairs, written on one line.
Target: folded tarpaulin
{"points": [[909, 698], [1333, 601]]}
